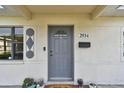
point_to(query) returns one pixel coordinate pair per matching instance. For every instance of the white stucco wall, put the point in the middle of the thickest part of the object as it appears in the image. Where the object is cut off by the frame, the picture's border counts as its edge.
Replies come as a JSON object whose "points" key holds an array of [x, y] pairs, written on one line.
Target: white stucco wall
{"points": [[100, 63]]}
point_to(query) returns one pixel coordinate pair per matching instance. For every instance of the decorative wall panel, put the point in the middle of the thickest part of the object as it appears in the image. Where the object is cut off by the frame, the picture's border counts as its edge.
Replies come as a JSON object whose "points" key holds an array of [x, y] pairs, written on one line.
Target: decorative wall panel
{"points": [[30, 43]]}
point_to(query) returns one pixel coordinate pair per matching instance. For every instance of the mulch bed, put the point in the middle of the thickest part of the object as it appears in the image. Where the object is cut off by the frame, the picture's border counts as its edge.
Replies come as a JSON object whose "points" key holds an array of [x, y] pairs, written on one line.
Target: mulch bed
{"points": [[64, 86]]}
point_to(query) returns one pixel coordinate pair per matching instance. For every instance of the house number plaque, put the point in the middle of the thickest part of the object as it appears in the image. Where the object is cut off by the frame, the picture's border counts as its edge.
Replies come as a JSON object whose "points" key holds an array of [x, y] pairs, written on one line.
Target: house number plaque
{"points": [[84, 35]]}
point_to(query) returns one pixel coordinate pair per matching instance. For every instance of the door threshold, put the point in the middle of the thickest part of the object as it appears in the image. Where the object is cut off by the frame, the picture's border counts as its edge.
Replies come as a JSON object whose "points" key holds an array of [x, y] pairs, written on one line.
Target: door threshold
{"points": [[60, 82], [60, 79]]}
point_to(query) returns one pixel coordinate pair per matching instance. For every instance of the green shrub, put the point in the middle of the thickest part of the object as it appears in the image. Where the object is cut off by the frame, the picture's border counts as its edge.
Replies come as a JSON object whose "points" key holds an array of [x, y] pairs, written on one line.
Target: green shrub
{"points": [[5, 55], [28, 82]]}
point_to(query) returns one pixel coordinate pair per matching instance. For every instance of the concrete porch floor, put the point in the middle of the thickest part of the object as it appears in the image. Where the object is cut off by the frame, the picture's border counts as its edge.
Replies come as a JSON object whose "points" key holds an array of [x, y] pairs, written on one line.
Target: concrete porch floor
{"points": [[109, 86], [10, 86], [98, 86]]}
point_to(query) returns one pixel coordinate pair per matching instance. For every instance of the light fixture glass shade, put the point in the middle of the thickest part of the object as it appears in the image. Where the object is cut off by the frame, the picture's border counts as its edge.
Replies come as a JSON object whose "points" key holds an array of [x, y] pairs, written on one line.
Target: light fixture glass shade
{"points": [[120, 7], [1, 7]]}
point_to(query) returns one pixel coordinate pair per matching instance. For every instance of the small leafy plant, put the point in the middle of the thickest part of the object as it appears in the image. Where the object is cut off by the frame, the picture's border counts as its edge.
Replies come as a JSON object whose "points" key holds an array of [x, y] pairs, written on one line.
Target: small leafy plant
{"points": [[92, 85], [40, 82]]}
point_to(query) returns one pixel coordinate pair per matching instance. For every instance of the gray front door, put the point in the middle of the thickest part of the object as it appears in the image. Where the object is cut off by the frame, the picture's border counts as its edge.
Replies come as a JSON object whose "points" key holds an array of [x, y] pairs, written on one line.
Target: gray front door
{"points": [[60, 53]]}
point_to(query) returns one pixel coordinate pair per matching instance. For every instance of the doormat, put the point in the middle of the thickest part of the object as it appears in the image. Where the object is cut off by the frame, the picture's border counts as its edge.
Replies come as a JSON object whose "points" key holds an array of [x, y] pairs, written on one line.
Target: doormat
{"points": [[64, 86]]}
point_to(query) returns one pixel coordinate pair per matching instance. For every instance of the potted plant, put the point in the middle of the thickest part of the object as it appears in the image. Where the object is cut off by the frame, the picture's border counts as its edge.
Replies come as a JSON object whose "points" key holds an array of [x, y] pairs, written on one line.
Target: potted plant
{"points": [[80, 82]]}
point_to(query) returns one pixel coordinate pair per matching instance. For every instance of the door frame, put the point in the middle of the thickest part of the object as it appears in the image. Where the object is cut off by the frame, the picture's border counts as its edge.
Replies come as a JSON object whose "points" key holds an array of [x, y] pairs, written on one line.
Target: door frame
{"points": [[72, 49]]}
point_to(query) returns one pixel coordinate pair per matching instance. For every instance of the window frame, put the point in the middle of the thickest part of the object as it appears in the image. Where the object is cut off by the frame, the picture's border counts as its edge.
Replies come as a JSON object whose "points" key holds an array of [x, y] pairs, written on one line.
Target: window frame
{"points": [[6, 61]]}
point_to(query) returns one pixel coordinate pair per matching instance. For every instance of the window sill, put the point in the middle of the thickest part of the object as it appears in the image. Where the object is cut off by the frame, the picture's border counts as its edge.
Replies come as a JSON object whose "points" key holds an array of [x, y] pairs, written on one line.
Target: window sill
{"points": [[11, 62]]}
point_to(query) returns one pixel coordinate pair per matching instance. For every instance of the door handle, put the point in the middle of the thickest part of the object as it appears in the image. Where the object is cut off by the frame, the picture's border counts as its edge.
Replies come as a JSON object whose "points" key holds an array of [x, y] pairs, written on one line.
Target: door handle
{"points": [[51, 53]]}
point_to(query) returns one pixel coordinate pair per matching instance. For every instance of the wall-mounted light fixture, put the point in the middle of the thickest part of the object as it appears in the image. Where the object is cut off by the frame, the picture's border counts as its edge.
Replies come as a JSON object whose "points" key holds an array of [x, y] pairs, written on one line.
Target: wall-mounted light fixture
{"points": [[120, 7], [1, 7]]}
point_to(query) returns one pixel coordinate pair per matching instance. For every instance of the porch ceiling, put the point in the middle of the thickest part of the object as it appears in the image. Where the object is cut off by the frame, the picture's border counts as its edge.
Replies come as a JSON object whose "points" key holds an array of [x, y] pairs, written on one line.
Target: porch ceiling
{"points": [[49, 9], [95, 11], [113, 11]]}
